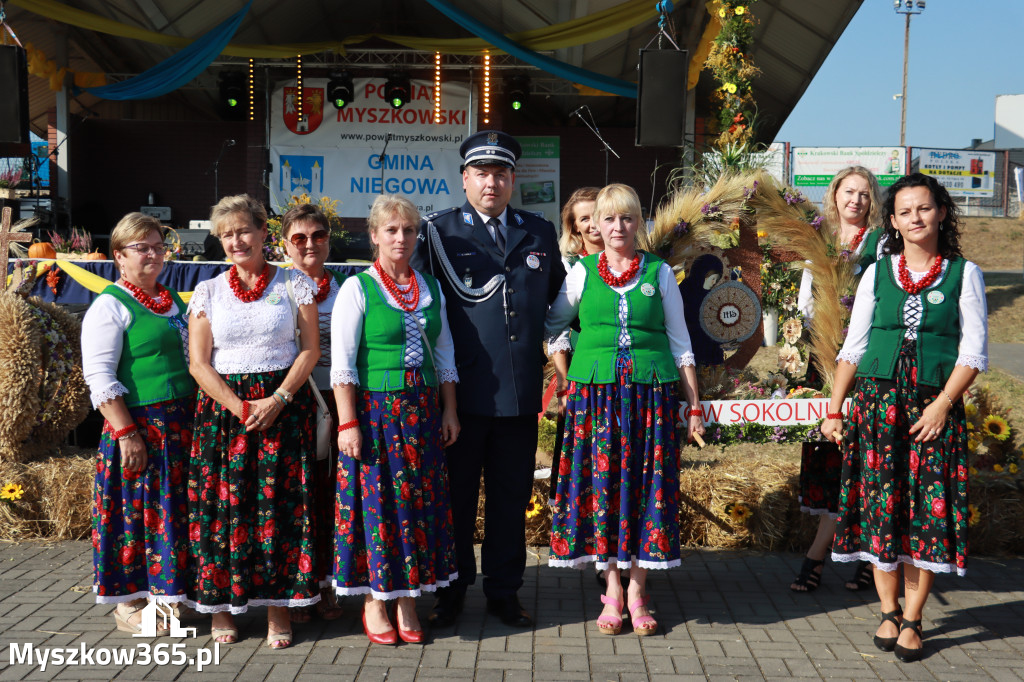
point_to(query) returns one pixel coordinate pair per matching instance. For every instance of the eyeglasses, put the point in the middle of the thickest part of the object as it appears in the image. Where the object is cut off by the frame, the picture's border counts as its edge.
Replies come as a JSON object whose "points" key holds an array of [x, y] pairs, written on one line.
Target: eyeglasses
{"points": [[146, 249], [318, 237]]}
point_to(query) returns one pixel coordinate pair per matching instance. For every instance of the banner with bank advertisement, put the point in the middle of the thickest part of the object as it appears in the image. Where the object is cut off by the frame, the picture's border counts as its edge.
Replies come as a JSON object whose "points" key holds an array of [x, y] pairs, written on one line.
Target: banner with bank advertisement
{"points": [[355, 153], [814, 167], [537, 173], [963, 173]]}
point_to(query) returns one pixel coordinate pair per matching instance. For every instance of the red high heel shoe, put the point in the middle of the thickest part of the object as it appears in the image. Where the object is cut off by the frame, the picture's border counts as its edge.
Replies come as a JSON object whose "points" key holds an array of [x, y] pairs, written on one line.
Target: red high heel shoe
{"points": [[383, 638]]}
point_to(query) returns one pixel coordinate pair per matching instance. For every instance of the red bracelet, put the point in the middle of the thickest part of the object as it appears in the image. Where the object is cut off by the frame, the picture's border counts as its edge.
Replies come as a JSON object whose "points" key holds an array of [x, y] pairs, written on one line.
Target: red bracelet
{"points": [[833, 415], [348, 425], [120, 433], [245, 411], [695, 412]]}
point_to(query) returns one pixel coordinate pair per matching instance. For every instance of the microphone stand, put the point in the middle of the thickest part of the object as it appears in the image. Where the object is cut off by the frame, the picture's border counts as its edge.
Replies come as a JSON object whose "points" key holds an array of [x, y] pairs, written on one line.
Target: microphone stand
{"points": [[593, 128], [215, 169], [380, 160]]}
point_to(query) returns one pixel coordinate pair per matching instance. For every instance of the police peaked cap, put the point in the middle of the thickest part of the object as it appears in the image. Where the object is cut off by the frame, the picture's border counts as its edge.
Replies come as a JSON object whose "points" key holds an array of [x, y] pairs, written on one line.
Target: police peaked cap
{"points": [[490, 148]]}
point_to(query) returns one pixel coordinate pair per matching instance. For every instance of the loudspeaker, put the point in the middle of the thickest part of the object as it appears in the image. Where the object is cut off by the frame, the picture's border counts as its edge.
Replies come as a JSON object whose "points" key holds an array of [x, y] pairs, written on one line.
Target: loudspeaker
{"points": [[661, 98], [14, 102]]}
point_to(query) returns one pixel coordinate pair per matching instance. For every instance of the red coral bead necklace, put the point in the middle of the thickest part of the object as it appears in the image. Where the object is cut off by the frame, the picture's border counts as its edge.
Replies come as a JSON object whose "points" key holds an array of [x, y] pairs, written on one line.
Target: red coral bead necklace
{"points": [[912, 287], [323, 287], [160, 306], [623, 279], [858, 238], [256, 292], [406, 300]]}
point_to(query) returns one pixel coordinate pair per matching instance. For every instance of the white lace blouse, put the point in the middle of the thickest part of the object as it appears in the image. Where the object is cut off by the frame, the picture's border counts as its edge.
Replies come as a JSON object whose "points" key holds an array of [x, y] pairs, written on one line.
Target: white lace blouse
{"points": [[566, 306], [324, 309], [973, 316], [257, 336], [103, 330], [347, 329]]}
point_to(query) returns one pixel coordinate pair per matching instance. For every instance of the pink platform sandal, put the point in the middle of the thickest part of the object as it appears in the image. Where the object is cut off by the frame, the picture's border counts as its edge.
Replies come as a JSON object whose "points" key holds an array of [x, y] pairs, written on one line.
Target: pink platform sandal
{"points": [[610, 625], [642, 625]]}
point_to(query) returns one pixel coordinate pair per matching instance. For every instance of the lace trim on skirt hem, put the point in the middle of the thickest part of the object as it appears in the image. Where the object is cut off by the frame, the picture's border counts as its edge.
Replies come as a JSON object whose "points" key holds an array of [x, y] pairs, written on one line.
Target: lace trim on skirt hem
{"points": [[143, 594], [580, 562], [235, 610], [395, 594], [901, 559]]}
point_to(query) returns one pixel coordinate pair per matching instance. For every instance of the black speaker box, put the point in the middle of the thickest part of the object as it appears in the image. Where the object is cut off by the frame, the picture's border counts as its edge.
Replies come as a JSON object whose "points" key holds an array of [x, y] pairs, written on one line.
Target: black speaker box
{"points": [[661, 98], [14, 100]]}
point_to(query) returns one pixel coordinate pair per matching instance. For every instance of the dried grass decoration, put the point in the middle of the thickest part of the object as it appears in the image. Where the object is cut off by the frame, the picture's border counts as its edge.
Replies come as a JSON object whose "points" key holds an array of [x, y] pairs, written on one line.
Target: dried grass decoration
{"points": [[49, 499], [43, 394]]}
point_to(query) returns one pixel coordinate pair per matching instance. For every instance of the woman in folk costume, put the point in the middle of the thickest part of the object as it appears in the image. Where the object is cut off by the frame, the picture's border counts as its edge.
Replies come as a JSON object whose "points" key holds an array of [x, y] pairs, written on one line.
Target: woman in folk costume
{"points": [[134, 341], [253, 445], [917, 339], [393, 372], [617, 501], [852, 210]]}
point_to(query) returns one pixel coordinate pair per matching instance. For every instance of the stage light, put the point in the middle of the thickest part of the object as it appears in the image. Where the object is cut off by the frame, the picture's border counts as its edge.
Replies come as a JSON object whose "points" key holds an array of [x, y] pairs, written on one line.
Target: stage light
{"points": [[487, 87], [299, 94], [252, 90], [396, 90], [232, 95], [518, 91], [437, 87], [340, 90]]}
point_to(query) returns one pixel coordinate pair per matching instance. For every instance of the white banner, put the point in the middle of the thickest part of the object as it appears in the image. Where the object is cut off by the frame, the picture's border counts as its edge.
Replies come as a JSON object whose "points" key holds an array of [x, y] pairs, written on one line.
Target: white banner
{"points": [[767, 412], [814, 167], [339, 153], [963, 173], [537, 174]]}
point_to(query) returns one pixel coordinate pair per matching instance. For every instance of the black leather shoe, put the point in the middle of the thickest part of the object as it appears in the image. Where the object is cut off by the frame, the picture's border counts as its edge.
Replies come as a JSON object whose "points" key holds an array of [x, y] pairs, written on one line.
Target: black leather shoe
{"points": [[446, 610], [510, 611]]}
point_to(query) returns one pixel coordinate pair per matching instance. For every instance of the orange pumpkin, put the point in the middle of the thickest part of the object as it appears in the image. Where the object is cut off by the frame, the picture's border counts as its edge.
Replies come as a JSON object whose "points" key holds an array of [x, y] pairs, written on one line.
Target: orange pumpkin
{"points": [[41, 250], [95, 255]]}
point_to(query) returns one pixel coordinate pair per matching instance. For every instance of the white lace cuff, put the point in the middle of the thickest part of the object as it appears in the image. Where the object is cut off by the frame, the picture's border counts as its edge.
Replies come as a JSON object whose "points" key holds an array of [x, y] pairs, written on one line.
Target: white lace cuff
{"points": [[344, 376], [686, 360], [451, 375], [559, 343], [978, 362], [200, 297], [852, 358], [107, 394]]}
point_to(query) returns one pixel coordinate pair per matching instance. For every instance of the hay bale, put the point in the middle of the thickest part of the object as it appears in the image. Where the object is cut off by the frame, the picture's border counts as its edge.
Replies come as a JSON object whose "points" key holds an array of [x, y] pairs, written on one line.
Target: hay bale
{"points": [[999, 502], [57, 499]]}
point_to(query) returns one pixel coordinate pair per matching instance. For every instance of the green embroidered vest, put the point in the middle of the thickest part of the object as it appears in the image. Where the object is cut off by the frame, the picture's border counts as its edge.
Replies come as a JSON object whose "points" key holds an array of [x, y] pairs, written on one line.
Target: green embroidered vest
{"points": [[380, 361], [153, 364], [594, 357], [938, 337]]}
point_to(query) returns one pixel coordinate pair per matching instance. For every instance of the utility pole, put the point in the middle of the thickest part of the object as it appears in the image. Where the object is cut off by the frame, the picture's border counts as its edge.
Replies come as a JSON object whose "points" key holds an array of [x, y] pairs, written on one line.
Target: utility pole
{"points": [[906, 8]]}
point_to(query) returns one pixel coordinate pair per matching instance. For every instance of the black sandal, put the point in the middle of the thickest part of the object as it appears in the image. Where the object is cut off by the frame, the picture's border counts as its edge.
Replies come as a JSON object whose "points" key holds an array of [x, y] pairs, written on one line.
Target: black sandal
{"points": [[889, 643], [809, 579], [863, 578], [910, 655]]}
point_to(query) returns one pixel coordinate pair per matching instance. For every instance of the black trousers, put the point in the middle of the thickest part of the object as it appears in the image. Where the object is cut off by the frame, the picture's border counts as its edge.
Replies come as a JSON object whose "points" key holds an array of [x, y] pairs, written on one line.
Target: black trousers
{"points": [[503, 449]]}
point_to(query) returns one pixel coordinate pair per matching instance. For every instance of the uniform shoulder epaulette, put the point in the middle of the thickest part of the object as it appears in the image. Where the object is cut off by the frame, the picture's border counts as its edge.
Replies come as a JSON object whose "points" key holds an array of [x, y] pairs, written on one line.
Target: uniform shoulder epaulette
{"points": [[435, 214]]}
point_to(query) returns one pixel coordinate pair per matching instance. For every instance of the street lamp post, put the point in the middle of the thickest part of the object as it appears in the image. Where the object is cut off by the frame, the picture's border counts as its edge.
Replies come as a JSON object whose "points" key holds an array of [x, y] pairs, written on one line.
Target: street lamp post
{"points": [[906, 8]]}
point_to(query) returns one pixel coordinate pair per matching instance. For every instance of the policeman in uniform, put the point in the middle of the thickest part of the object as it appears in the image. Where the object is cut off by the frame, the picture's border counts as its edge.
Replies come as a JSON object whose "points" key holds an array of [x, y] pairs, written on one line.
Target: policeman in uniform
{"points": [[499, 268]]}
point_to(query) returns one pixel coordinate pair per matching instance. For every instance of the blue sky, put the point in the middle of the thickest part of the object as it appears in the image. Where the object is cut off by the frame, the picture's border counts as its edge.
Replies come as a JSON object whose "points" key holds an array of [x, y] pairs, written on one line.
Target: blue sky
{"points": [[962, 54]]}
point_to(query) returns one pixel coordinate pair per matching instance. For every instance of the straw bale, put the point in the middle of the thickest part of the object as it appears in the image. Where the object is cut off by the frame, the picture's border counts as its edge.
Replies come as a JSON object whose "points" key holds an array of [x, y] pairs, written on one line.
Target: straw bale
{"points": [[57, 499], [21, 374]]}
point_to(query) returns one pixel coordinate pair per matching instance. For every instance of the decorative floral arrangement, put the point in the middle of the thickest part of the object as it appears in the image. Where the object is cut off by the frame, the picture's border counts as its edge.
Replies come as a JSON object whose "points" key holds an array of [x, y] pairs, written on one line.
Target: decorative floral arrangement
{"points": [[779, 281], [535, 507], [10, 178], [724, 383], [990, 434], [730, 62], [11, 492], [79, 241], [273, 249]]}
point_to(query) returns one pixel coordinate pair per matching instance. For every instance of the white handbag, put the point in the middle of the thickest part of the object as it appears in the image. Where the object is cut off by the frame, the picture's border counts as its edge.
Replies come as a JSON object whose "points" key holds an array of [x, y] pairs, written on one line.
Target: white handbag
{"points": [[324, 422]]}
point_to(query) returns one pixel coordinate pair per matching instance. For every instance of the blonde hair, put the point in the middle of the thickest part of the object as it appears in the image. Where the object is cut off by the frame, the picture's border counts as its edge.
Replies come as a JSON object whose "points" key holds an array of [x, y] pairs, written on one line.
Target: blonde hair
{"points": [[618, 199], [387, 205], [238, 203], [132, 228], [831, 210], [571, 241]]}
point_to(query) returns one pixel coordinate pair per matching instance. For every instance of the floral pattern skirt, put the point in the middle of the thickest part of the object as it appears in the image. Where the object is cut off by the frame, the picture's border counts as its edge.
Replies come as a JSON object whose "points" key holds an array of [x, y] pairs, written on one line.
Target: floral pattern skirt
{"points": [[393, 514], [139, 534], [901, 501], [618, 484], [249, 506], [821, 468]]}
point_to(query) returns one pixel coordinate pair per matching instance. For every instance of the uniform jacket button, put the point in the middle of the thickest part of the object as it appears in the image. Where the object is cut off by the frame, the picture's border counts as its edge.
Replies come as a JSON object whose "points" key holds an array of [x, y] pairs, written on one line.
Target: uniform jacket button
{"points": [[513, 338]]}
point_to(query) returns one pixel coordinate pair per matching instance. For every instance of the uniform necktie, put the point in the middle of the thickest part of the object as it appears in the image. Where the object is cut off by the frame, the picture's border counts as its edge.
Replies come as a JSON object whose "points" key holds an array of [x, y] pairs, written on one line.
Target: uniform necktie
{"points": [[499, 238]]}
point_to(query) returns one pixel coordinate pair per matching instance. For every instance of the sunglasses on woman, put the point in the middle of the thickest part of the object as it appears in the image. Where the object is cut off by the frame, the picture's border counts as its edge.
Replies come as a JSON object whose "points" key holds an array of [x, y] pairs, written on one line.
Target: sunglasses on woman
{"points": [[318, 238]]}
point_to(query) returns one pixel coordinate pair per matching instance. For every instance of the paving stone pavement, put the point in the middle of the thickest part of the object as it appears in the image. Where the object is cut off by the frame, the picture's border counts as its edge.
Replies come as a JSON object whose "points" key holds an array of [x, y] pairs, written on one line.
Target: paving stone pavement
{"points": [[724, 615]]}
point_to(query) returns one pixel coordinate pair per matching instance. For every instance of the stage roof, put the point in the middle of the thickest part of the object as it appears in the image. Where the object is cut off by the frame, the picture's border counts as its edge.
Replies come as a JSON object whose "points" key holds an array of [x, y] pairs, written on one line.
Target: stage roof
{"points": [[792, 39]]}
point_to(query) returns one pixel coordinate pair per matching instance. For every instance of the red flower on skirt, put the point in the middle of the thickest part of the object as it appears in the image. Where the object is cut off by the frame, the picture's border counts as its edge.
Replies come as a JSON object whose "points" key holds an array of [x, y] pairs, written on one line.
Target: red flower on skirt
{"points": [[221, 578], [305, 563], [563, 467], [890, 415], [872, 458], [239, 536], [939, 508], [414, 576], [193, 532], [602, 462], [559, 546], [914, 461], [127, 554], [602, 545], [237, 446], [155, 569]]}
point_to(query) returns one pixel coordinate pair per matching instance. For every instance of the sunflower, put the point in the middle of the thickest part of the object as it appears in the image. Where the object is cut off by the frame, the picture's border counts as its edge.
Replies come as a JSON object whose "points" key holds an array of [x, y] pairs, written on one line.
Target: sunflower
{"points": [[11, 491], [996, 426], [533, 509], [973, 515], [738, 512], [970, 409], [740, 10], [1013, 468]]}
